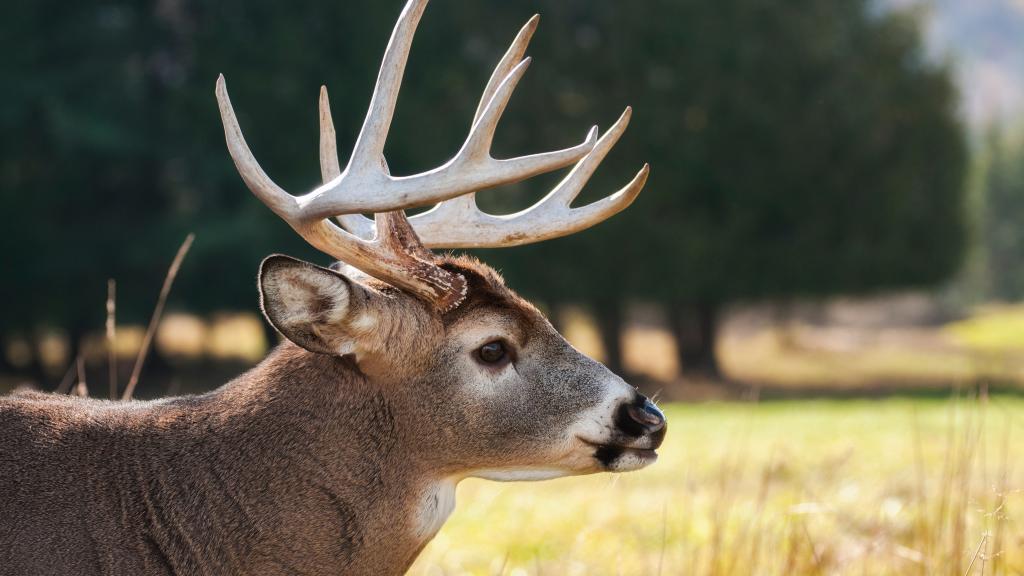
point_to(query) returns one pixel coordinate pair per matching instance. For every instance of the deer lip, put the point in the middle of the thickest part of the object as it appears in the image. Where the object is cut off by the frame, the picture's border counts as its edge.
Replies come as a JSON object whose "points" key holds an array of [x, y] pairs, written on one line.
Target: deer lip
{"points": [[622, 448], [615, 457]]}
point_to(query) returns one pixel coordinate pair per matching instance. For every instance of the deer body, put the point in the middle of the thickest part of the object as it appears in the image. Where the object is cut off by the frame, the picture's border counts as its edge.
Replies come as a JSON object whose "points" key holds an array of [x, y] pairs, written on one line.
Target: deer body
{"points": [[404, 372], [297, 467]]}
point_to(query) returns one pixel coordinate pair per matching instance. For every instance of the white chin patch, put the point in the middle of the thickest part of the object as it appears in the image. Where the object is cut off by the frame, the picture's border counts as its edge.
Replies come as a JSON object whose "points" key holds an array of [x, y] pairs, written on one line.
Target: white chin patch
{"points": [[630, 460]]}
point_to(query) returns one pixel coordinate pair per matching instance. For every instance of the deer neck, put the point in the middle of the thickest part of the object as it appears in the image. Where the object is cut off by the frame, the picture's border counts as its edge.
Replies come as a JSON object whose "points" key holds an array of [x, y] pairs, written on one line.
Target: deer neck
{"points": [[313, 459]]}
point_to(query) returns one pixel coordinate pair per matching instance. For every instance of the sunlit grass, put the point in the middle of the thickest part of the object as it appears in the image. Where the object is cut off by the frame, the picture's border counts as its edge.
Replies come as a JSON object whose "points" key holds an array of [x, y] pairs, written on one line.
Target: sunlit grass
{"points": [[992, 329], [864, 487], [762, 359]]}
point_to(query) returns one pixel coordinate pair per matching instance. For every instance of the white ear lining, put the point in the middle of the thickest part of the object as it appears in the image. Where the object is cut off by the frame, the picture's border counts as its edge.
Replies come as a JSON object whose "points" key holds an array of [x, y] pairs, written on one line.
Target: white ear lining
{"points": [[306, 303]]}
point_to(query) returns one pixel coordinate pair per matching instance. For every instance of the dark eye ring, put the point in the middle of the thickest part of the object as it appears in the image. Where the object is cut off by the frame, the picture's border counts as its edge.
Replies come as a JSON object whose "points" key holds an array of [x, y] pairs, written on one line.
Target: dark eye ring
{"points": [[494, 352]]}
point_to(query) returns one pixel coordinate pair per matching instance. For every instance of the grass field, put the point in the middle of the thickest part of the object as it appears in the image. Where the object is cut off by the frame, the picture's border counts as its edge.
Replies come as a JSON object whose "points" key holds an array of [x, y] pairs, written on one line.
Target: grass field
{"points": [[894, 486]]}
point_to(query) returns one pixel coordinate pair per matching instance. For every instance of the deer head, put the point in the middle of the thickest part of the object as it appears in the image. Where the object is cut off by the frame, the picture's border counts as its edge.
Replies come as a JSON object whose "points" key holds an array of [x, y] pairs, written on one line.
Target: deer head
{"points": [[492, 389]]}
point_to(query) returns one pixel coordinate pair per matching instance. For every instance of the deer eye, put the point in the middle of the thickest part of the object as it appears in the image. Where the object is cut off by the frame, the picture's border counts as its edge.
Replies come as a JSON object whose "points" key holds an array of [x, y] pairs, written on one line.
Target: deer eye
{"points": [[493, 352]]}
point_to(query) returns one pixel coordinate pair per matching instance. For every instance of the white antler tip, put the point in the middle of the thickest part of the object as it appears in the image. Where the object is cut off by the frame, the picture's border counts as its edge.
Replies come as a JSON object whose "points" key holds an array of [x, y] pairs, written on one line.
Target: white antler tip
{"points": [[417, 5], [325, 104], [633, 188], [612, 135], [227, 113], [625, 197]]}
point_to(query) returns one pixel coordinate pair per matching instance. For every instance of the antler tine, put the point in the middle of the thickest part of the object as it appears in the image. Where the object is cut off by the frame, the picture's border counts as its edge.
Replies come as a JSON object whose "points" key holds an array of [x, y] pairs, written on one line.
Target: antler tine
{"points": [[282, 203], [369, 147], [569, 188], [512, 57], [452, 225], [330, 168], [478, 144]]}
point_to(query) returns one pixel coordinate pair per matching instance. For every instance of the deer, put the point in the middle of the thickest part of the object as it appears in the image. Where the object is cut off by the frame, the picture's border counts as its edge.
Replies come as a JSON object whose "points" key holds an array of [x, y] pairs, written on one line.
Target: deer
{"points": [[401, 372]]}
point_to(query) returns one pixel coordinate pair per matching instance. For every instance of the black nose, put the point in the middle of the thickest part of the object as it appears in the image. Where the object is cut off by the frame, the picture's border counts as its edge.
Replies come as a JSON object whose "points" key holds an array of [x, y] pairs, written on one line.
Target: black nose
{"points": [[640, 417]]}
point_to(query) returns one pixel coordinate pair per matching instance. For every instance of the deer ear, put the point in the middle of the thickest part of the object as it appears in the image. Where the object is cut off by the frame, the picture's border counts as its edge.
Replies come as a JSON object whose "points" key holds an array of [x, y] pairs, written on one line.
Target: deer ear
{"points": [[310, 305]]}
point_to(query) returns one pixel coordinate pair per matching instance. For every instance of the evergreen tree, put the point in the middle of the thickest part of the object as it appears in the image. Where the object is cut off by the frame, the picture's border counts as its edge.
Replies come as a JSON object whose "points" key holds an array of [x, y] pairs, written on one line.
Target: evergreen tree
{"points": [[1003, 231]]}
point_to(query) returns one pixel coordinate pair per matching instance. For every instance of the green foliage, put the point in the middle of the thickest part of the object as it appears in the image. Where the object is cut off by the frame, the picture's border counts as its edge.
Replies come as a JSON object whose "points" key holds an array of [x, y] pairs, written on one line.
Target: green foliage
{"points": [[803, 147], [797, 149], [1003, 228]]}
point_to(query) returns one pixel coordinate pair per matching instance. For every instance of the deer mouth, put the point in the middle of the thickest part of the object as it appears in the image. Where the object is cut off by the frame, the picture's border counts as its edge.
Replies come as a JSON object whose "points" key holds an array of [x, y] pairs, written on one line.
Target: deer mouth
{"points": [[621, 457]]}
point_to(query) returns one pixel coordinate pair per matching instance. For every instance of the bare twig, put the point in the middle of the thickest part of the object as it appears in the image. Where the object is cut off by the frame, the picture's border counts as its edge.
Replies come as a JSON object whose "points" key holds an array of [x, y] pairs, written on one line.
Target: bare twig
{"points": [[112, 336], [810, 542], [977, 553], [147, 340], [664, 537], [68, 379], [81, 389], [504, 564]]}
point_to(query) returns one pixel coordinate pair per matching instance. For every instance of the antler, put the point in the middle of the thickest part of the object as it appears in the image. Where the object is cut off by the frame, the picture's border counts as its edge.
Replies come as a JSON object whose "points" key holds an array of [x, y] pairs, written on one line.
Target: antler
{"points": [[389, 247], [459, 222]]}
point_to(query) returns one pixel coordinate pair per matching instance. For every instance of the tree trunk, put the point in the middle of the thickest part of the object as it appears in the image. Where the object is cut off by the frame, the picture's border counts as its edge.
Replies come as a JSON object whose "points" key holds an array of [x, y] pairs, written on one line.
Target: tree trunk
{"points": [[5, 364], [695, 328], [610, 323]]}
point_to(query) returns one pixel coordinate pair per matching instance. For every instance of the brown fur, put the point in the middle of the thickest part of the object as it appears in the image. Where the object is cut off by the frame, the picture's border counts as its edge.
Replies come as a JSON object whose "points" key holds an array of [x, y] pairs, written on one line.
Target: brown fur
{"points": [[283, 471]]}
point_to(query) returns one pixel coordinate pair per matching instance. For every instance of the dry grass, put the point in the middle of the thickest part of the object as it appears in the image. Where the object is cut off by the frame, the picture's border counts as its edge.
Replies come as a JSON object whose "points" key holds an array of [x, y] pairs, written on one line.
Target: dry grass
{"points": [[820, 487], [154, 321]]}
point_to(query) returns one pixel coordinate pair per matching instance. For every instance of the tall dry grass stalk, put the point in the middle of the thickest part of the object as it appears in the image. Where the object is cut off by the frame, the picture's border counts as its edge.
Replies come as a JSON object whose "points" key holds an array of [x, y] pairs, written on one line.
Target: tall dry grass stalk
{"points": [[69, 377], [154, 321], [81, 388], [111, 330], [958, 524]]}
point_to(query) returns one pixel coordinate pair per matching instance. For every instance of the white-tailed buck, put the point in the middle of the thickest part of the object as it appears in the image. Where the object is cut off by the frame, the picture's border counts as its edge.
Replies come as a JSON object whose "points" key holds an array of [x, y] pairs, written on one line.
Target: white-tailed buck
{"points": [[403, 373]]}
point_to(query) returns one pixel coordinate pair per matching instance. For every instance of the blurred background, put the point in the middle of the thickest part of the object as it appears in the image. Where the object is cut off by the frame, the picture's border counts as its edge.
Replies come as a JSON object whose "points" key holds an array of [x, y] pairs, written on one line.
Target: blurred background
{"points": [[835, 211]]}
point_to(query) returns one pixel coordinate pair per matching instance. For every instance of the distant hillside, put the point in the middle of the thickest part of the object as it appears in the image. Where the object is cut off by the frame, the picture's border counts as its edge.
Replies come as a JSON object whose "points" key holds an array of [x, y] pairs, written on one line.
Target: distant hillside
{"points": [[985, 41]]}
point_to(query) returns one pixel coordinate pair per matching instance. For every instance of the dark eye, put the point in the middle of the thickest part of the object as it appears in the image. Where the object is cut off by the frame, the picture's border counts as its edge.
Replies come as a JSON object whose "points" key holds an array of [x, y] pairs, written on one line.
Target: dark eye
{"points": [[492, 352]]}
